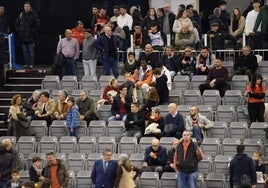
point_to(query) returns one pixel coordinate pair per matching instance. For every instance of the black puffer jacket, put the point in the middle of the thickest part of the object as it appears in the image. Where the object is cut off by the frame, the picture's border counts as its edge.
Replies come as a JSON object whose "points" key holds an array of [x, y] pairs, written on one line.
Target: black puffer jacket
{"points": [[27, 25], [7, 164]]}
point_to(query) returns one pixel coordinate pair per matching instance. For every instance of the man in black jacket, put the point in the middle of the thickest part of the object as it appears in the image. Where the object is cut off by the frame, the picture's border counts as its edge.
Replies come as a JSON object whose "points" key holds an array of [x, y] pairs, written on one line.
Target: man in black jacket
{"points": [[27, 26], [135, 122], [242, 165], [7, 163]]}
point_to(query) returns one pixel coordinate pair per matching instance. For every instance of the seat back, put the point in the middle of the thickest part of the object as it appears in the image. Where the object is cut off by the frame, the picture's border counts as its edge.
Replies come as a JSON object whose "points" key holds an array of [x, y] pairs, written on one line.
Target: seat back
{"points": [[215, 180], [212, 98], [211, 146], [233, 97], [89, 83], [39, 127], [221, 164], [192, 97], [149, 180], [258, 130], [87, 144], [229, 145], [106, 142], [83, 179], [116, 129], [238, 130], [76, 162], [48, 143], [144, 143], [67, 144], [137, 159], [128, 145], [169, 179], [104, 112], [205, 165], [239, 82], [175, 96], [181, 82], [69, 83], [197, 80], [51, 82], [104, 80], [92, 157], [226, 113], [26, 145], [97, 128]]}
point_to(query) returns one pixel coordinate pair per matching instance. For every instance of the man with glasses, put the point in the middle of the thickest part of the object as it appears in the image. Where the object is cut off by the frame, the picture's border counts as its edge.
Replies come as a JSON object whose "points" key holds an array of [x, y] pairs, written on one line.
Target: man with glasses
{"points": [[104, 171], [56, 171], [155, 158]]}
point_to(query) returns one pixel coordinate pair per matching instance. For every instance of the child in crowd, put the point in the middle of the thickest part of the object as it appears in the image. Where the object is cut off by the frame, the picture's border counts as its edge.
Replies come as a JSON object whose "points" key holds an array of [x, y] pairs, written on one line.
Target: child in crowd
{"points": [[15, 182], [161, 86], [131, 64], [36, 171], [72, 120], [260, 167]]}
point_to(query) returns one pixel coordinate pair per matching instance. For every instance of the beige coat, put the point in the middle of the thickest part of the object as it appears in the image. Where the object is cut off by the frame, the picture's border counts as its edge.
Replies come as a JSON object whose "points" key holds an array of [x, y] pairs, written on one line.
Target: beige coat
{"points": [[50, 107], [240, 29]]}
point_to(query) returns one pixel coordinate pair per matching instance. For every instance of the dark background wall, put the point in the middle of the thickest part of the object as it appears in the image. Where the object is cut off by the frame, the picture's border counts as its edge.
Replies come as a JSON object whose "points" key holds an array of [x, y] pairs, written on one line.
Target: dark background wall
{"points": [[57, 15]]}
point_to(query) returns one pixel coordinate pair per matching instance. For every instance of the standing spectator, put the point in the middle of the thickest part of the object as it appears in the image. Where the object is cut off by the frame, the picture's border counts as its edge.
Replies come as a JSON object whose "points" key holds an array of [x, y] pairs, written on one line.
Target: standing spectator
{"points": [[131, 64], [205, 61], [135, 122], [36, 170], [193, 14], [7, 163], [89, 54], [73, 117], [104, 171], [107, 45], [174, 122], [69, 47], [161, 86], [151, 100], [86, 107], [18, 124], [149, 19], [149, 56], [167, 22], [95, 12], [241, 166], [187, 63], [15, 181], [216, 79], [137, 18], [3, 59], [121, 105], [237, 24], [45, 108], [119, 33], [131, 10], [163, 70], [27, 26], [197, 124], [124, 177], [155, 158], [256, 94], [263, 19], [225, 16], [78, 32], [101, 19], [158, 121], [56, 171], [61, 107], [170, 167], [252, 16], [259, 165], [4, 26], [116, 13], [170, 60], [186, 159], [246, 63], [6, 143]]}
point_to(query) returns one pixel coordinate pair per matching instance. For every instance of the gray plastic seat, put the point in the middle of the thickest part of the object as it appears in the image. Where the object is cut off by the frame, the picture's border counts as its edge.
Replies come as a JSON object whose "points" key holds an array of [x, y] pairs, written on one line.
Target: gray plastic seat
{"points": [[233, 97], [211, 146], [238, 130], [104, 112], [197, 80], [215, 180], [128, 145], [226, 113], [83, 179], [137, 159], [169, 179], [26, 145], [184, 110], [76, 93], [181, 82], [239, 82], [48, 143], [39, 127], [116, 129], [163, 110], [206, 110], [166, 142], [241, 116], [95, 95], [144, 143], [229, 145], [51, 82], [89, 83], [69, 83], [175, 96], [72, 180], [92, 157], [149, 180], [252, 145], [106, 142], [76, 162], [24, 175], [87, 144], [192, 97], [82, 129], [221, 164], [212, 98], [104, 80], [205, 165], [229, 65], [67, 144], [258, 130], [97, 128]]}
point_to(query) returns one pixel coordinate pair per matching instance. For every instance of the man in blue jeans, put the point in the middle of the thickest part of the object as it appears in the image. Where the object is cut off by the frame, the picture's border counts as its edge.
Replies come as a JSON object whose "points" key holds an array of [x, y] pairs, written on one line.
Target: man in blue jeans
{"points": [[27, 25], [186, 159]]}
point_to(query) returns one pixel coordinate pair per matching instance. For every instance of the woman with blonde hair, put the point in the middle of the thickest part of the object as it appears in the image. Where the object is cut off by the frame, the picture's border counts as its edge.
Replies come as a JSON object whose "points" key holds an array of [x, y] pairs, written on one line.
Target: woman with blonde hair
{"points": [[125, 170]]}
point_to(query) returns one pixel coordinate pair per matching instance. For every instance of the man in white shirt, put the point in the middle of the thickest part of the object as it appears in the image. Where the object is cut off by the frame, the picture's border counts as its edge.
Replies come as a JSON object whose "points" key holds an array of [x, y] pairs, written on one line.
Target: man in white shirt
{"points": [[252, 16], [124, 19]]}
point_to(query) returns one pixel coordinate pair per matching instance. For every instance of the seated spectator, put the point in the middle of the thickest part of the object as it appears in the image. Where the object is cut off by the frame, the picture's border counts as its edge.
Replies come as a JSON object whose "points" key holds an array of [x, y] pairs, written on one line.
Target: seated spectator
{"points": [[182, 18], [61, 106], [197, 124], [78, 32], [45, 108], [184, 38], [216, 18], [131, 88], [137, 17], [121, 105], [139, 41], [246, 63], [15, 180], [170, 167], [157, 38], [119, 33], [142, 77], [216, 79], [135, 122], [161, 86], [174, 122], [156, 124], [155, 158], [131, 64], [150, 19], [165, 71], [260, 167], [238, 23], [36, 170], [170, 60], [86, 107], [204, 61], [187, 63], [109, 92], [149, 56], [193, 14], [30, 104], [217, 37], [151, 100]]}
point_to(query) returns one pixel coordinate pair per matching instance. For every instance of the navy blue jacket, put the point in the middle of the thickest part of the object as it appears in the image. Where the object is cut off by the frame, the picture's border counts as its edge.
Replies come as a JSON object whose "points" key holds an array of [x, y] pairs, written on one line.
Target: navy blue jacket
{"points": [[105, 179], [102, 45], [161, 159]]}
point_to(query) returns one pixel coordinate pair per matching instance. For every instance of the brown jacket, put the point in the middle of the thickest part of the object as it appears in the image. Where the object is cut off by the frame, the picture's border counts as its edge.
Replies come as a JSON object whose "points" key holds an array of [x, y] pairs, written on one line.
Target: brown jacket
{"points": [[50, 107]]}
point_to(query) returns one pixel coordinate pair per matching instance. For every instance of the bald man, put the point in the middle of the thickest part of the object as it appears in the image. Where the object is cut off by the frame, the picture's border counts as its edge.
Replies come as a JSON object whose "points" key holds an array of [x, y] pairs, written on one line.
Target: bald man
{"points": [[170, 167], [155, 158], [108, 45], [174, 122], [149, 56]]}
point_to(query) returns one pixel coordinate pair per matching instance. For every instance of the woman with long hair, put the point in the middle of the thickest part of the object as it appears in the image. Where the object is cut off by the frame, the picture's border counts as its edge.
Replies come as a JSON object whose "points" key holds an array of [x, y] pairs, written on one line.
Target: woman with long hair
{"points": [[125, 170], [149, 19], [256, 94], [182, 18], [237, 24]]}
